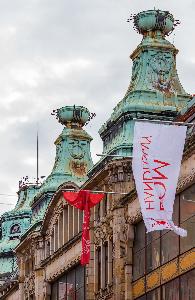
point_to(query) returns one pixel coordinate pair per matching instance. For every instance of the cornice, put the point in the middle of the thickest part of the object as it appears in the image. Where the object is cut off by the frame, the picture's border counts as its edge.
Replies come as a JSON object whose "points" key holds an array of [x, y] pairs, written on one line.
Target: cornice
{"points": [[70, 244]]}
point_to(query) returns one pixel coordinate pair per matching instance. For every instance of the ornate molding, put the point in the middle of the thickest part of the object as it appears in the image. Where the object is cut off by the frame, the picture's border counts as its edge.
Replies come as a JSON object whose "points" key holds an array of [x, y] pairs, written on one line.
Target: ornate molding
{"points": [[29, 284], [187, 261], [184, 182], [119, 171], [135, 218], [138, 287], [105, 293], [67, 246], [54, 217], [169, 271], [64, 269], [164, 273], [103, 231]]}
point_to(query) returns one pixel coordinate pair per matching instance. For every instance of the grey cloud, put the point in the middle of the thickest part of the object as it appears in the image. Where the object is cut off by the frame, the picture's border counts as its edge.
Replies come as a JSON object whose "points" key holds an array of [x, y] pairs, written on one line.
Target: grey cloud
{"points": [[56, 53]]}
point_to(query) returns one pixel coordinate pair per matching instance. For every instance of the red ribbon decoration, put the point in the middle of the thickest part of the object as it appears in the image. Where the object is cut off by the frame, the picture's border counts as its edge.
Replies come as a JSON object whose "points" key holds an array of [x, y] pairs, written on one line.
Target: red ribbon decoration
{"points": [[84, 200]]}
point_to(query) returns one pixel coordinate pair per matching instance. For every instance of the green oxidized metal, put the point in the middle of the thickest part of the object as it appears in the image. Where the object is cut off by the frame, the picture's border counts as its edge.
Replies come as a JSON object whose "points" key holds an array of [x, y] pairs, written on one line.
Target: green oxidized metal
{"points": [[13, 224], [155, 90], [72, 162], [70, 115], [73, 157]]}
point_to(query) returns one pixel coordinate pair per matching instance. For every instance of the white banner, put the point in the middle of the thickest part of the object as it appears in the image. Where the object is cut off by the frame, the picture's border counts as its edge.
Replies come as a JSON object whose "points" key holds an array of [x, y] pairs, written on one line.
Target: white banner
{"points": [[157, 154]]}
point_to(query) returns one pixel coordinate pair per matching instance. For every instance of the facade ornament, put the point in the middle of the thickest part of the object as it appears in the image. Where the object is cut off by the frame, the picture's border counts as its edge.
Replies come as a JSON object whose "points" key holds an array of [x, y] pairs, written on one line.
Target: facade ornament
{"points": [[186, 181], [105, 293], [103, 231]]}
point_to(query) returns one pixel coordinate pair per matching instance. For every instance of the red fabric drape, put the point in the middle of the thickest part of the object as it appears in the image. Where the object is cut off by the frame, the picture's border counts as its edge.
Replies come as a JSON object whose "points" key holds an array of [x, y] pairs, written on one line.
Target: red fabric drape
{"points": [[84, 200]]}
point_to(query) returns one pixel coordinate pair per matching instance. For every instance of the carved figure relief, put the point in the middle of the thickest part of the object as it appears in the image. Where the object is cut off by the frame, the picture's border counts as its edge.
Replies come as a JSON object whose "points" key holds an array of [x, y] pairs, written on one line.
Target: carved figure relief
{"points": [[77, 148], [161, 65], [103, 231]]}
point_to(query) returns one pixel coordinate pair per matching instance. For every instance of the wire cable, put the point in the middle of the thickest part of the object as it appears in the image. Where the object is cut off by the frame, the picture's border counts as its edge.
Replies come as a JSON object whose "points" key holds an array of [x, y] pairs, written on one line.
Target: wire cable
{"points": [[3, 203], [8, 195]]}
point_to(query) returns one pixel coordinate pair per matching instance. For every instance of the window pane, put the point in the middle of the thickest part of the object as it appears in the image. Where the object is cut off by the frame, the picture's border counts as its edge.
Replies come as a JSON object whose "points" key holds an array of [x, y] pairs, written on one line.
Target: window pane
{"points": [[153, 255], [62, 288], [139, 241], [80, 295], [71, 285], [170, 291], [99, 267], [54, 291], [169, 246], [141, 298], [188, 286], [80, 279], [151, 236], [154, 295], [176, 211], [138, 264], [187, 203], [106, 262], [188, 242]]}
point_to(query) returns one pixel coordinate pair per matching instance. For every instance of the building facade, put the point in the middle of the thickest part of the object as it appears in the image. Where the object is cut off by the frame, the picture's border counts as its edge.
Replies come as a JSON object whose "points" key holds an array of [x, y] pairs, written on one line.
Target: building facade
{"points": [[125, 262]]}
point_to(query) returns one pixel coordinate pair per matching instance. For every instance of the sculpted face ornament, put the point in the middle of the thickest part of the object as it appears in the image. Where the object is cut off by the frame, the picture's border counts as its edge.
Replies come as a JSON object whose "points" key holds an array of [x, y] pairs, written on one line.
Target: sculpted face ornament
{"points": [[77, 148], [162, 66]]}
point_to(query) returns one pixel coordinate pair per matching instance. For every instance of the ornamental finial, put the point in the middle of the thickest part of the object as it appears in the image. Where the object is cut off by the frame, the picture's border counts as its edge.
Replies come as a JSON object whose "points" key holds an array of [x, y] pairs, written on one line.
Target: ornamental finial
{"points": [[73, 116], [154, 20]]}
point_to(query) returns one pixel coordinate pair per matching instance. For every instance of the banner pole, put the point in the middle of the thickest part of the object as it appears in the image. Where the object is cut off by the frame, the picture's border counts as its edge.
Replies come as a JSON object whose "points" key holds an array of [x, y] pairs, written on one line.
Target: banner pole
{"points": [[164, 121], [114, 155], [73, 190]]}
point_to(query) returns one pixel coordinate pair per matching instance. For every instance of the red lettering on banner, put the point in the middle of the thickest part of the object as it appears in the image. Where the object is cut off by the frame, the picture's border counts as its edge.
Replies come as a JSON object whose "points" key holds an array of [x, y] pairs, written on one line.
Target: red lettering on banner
{"points": [[148, 184], [144, 156], [147, 139], [144, 147], [148, 203], [160, 183], [163, 164], [160, 222], [149, 195], [161, 197], [147, 178], [149, 181]]}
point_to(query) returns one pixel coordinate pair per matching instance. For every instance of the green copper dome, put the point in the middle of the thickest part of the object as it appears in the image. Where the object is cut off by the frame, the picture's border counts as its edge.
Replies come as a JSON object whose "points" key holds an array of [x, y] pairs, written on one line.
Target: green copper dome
{"points": [[154, 90]]}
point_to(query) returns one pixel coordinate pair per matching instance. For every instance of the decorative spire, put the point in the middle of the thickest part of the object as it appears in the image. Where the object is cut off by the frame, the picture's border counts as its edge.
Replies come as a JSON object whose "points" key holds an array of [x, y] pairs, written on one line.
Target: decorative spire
{"points": [[73, 157], [154, 75], [155, 90]]}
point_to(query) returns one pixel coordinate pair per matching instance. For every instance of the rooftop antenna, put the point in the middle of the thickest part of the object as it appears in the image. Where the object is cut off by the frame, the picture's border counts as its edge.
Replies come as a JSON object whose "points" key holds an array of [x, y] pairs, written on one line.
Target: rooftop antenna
{"points": [[37, 181]]}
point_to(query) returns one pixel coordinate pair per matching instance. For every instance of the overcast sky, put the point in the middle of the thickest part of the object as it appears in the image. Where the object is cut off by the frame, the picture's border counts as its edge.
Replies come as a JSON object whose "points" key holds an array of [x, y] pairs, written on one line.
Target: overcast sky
{"points": [[58, 52]]}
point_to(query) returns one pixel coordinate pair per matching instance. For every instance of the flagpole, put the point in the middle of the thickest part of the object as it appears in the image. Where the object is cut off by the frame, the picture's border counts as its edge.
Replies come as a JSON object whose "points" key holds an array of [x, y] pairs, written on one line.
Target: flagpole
{"points": [[95, 192], [113, 155], [37, 155]]}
